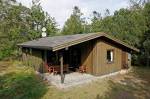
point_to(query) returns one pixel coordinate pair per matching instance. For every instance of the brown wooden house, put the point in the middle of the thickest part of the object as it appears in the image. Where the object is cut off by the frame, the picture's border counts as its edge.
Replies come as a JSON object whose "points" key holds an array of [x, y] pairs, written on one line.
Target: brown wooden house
{"points": [[99, 53]]}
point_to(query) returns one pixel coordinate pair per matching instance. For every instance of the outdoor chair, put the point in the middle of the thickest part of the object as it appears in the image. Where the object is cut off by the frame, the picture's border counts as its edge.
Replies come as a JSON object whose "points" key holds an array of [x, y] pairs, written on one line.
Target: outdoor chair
{"points": [[52, 69], [82, 69], [125, 66], [49, 68], [55, 71]]}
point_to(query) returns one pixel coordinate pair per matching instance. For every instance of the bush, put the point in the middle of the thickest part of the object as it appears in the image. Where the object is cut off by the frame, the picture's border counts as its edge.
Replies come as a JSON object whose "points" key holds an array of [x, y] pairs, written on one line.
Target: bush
{"points": [[21, 84]]}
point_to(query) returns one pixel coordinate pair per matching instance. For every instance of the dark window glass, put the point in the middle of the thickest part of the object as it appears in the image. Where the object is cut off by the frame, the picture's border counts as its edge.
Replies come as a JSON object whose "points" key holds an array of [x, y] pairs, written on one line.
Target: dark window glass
{"points": [[110, 55]]}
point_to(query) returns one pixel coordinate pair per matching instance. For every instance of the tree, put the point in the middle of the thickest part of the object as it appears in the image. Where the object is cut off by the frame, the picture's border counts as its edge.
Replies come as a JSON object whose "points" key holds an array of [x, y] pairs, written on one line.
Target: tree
{"points": [[125, 24], [137, 3], [19, 24], [146, 37], [96, 22], [51, 25], [146, 13], [74, 24], [143, 1], [13, 22], [146, 45], [42, 19], [107, 12]]}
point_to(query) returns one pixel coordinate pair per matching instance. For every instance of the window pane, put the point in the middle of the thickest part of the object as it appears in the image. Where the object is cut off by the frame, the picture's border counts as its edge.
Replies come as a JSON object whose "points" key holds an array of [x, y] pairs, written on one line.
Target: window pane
{"points": [[110, 55]]}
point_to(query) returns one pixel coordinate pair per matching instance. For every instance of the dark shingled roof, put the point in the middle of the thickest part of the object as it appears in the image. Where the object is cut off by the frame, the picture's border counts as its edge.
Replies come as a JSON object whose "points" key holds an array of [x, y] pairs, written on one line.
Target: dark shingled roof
{"points": [[59, 42]]}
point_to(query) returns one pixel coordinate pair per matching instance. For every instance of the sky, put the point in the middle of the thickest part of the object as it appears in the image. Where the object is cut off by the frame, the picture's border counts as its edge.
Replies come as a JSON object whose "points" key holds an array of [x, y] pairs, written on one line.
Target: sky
{"points": [[62, 9]]}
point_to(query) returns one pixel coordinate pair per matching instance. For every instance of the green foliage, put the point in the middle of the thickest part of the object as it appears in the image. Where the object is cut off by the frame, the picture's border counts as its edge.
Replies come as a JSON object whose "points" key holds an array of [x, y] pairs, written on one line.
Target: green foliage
{"points": [[146, 38], [74, 25], [125, 24], [21, 83], [19, 24], [20, 86], [96, 22], [146, 13], [42, 19]]}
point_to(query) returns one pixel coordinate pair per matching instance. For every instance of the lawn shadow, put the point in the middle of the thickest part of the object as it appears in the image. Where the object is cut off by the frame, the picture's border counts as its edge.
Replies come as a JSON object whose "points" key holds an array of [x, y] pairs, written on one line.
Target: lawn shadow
{"points": [[142, 73], [21, 86], [134, 85], [117, 91]]}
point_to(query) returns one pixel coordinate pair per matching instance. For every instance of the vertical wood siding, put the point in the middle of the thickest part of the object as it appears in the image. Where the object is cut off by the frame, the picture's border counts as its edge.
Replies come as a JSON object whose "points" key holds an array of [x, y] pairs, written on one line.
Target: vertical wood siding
{"points": [[87, 56], [94, 56], [33, 58], [100, 65]]}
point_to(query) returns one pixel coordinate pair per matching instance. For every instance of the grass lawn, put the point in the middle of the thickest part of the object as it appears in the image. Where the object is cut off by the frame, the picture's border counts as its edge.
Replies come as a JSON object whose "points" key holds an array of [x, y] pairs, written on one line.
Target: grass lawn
{"points": [[20, 82]]}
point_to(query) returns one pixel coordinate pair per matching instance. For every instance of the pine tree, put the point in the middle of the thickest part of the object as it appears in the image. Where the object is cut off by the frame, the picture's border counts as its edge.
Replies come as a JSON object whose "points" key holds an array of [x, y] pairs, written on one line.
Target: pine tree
{"points": [[74, 25]]}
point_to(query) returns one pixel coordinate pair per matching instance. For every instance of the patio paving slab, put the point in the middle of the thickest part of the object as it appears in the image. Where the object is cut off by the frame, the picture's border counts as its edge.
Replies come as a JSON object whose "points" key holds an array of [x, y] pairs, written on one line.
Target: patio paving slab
{"points": [[74, 79]]}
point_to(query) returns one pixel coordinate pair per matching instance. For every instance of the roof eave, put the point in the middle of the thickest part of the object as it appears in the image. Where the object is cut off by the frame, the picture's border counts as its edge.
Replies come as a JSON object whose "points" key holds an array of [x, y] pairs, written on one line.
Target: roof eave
{"points": [[36, 47], [121, 42]]}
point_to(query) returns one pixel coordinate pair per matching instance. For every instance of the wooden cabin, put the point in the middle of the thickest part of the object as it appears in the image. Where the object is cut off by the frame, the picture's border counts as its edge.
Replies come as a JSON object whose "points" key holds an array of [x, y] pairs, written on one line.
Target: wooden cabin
{"points": [[98, 53]]}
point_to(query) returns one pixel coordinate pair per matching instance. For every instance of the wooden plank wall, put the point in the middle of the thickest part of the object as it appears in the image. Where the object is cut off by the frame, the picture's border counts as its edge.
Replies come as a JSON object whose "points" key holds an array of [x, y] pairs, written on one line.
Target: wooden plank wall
{"points": [[94, 56], [87, 56], [33, 58], [101, 65], [37, 60], [124, 58]]}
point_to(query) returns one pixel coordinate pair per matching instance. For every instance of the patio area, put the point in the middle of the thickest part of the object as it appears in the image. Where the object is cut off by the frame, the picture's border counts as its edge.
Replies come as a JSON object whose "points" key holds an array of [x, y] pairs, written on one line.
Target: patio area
{"points": [[74, 79], [71, 79]]}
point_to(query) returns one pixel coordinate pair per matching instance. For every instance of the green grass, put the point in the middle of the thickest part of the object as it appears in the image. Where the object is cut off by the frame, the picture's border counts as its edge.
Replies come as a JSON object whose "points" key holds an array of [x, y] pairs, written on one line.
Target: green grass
{"points": [[20, 82]]}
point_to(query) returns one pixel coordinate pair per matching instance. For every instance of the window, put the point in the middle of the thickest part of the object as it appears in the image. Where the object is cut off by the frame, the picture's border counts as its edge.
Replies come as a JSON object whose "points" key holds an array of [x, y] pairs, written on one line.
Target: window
{"points": [[110, 55]]}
